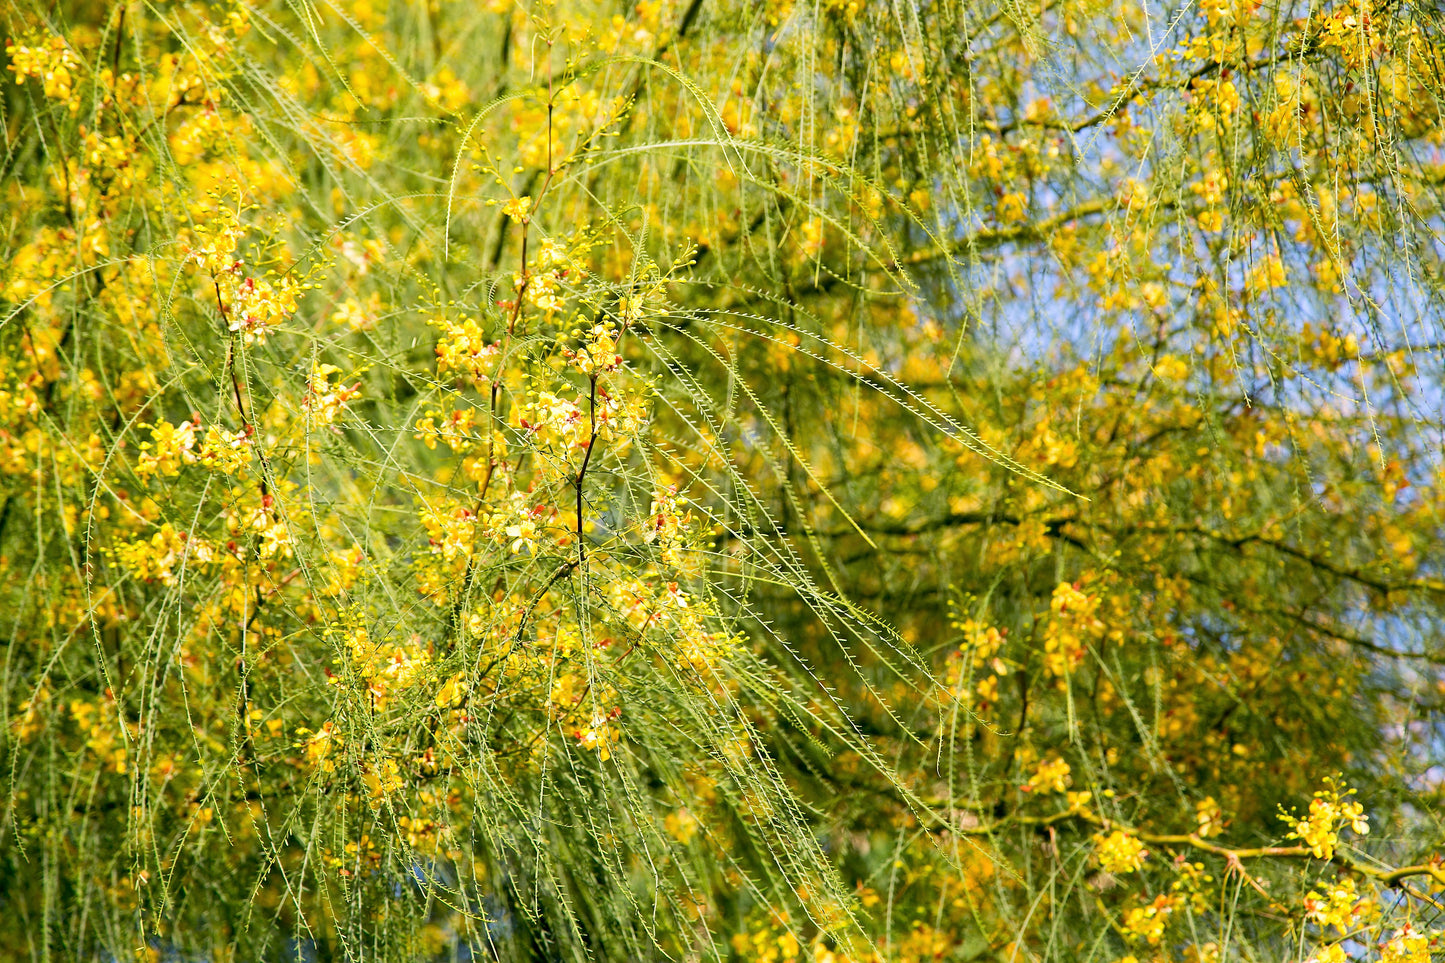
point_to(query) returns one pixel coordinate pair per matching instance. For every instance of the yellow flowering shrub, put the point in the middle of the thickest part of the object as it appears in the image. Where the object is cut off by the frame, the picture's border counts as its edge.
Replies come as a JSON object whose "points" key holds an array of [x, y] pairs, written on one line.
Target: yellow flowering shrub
{"points": [[707, 480]]}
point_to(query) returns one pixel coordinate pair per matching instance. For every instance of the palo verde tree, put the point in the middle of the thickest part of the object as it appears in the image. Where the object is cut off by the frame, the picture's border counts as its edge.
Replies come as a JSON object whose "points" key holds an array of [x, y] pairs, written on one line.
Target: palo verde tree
{"points": [[717, 480]]}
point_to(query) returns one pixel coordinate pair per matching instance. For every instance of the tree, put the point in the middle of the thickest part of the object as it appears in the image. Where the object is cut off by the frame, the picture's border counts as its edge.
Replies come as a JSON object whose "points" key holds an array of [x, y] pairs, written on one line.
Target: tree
{"points": [[722, 480]]}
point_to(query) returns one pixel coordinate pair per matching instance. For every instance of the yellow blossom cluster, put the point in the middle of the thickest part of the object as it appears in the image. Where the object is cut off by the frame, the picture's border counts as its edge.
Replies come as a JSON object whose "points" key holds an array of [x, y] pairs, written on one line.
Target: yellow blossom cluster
{"points": [[256, 305], [1073, 625], [1331, 811], [100, 723], [325, 400], [250, 306], [981, 645], [211, 243], [1050, 776], [173, 446], [50, 61], [1339, 906], [597, 351], [224, 450], [463, 351], [1407, 946], [451, 531], [669, 525], [260, 524], [520, 524], [1209, 817], [385, 668], [1119, 852], [1147, 922], [164, 556], [770, 942], [321, 746]]}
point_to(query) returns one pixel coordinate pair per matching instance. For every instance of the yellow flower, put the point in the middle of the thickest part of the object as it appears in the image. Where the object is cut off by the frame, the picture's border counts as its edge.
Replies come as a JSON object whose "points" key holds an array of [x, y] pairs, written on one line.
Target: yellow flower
{"points": [[987, 692], [257, 305], [321, 745], [164, 555], [598, 351], [1072, 626], [1209, 817], [452, 692], [1147, 922], [518, 208], [681, 825], [212, 244], [1119, 852], [1335, 907], [1407, 947], [49, 61], [384, 780], [171, 447], [225, 451], [463, 349], [1051, 775], [323, 400], [356, 315], [598, 735], [524, 536], [1011, 208], [1331, 810]]}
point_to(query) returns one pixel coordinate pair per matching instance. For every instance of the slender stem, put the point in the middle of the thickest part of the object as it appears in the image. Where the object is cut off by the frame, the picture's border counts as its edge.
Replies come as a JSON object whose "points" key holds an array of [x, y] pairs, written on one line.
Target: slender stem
{"points": [[496, 383], [245, 416], [242, 668], [1388, 875], [586, 460]]}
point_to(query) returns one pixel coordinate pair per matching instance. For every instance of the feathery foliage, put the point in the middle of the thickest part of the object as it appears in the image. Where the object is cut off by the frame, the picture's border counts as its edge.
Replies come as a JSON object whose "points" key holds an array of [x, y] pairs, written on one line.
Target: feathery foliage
{"points": [[722, 480]]}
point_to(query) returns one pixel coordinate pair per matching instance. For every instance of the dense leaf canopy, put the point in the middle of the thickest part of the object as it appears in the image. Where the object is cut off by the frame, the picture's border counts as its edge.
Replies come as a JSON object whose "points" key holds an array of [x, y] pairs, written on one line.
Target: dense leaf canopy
{"points": [[749, 480]]}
